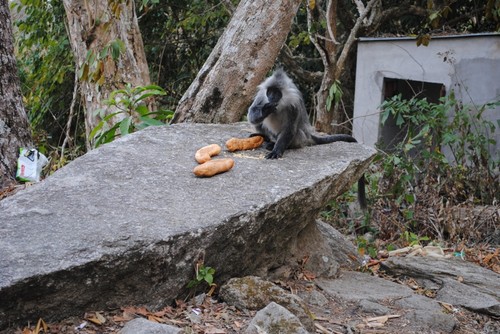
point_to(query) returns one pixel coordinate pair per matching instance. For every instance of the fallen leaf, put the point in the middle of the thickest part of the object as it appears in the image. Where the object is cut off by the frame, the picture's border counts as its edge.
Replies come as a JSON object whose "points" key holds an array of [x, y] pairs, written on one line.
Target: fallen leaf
{"points": [[142, 311], [308, 276], [321, 328], [375, 324], [383, 319], [214, 330], [488, 257], [447, 307], [155, 319], [96, 318]]}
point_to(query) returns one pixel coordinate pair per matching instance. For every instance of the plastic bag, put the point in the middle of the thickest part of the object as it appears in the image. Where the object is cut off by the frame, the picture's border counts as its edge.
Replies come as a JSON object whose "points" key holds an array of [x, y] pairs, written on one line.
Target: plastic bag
{"points": [[30, 164]]}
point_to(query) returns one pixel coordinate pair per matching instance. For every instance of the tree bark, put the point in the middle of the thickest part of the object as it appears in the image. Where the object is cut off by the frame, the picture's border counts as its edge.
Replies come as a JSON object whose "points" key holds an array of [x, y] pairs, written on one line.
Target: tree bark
{"points": [[244, 54], [14, 127], [95, 27]]}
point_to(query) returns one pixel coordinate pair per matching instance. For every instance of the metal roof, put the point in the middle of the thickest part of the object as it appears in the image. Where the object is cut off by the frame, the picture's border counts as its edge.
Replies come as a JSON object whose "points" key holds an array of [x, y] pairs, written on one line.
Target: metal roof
{"points": [[408, 38]]}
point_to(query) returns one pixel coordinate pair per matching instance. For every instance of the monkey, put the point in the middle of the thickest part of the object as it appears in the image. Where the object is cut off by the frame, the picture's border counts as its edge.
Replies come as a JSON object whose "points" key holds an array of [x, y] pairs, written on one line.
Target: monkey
{"points": [[278, 113]]}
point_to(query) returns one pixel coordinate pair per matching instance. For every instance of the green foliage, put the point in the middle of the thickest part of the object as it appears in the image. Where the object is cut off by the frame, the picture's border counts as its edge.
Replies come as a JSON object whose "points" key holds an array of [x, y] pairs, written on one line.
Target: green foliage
{"points": [[203, 274], [129, 106], [464, 16], [93, 68], [366, 247], [46, 67], [178, 37], [334, 95], [413, 239], [428, 128]]}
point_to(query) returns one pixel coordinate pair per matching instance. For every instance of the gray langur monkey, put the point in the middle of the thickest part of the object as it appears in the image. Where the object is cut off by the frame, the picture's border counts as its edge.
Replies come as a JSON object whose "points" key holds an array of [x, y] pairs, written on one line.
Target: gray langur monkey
{"points": [[279, 114]]}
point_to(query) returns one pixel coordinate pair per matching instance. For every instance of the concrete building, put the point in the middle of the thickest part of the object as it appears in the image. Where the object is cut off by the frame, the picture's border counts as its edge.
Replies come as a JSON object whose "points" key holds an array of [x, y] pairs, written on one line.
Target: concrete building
{"points": [[467, 64]]}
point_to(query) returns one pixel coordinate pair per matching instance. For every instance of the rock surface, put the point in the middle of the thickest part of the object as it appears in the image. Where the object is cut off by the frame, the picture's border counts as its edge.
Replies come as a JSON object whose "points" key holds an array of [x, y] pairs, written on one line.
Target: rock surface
{"points": [[125, 223], [423, 314], [143, 326], [455, 281]]}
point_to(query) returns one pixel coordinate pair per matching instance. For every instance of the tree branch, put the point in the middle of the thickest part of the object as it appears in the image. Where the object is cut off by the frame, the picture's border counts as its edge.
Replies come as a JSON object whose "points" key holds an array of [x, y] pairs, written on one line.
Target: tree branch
{"points": [[352, 37], [293, 66]]}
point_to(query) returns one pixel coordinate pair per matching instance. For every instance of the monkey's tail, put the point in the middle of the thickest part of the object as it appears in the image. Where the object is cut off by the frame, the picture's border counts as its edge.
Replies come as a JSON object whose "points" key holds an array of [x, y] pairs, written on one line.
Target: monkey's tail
{"points": [[350, 139], [333, 138], [362, 192]]}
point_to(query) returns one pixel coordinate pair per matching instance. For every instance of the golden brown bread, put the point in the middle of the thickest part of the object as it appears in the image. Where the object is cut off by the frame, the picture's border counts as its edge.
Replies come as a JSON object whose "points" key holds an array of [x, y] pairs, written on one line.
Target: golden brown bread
{"points": [[240, 144], [207, 152], [212, 167]]}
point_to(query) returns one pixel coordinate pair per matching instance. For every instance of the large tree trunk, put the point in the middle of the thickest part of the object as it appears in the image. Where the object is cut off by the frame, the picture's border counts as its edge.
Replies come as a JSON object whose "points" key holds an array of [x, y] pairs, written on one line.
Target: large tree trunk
{"points": [[14, 127], [244, 54], [97, 28]]}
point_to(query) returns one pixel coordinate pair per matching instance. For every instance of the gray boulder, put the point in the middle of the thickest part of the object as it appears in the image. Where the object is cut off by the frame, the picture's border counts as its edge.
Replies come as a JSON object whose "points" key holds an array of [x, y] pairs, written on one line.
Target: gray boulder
{"points": [[125, 223]]}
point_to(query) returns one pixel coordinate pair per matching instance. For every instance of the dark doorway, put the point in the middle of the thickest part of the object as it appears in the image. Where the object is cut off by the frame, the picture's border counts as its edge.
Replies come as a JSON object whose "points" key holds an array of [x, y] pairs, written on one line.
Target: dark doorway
{"points": [[390, 134]]}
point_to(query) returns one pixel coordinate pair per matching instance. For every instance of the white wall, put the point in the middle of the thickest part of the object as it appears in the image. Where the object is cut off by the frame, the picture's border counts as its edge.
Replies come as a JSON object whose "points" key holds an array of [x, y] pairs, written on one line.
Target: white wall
{"points": [[471, 69]]}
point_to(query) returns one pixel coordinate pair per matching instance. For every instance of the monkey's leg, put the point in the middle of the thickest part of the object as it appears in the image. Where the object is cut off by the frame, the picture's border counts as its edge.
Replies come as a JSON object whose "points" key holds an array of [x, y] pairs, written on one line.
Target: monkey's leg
{"points": [[283, 142]]}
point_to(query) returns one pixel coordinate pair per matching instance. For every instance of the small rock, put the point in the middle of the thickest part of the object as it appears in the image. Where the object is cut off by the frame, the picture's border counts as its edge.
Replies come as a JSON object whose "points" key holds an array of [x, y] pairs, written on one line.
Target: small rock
{"points": [[367, 306], [275, 319], [425, 314], [254, 293], [313, 297], [143, 326]]}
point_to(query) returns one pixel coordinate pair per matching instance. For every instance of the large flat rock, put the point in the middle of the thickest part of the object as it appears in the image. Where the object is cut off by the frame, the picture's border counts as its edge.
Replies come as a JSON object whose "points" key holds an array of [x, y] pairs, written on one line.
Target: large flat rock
{"points": [[126, 222]]}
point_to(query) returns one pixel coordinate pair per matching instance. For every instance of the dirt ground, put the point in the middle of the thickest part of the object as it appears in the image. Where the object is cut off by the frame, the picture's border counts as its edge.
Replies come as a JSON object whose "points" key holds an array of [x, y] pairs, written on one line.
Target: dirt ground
{"points": [[209, 316]]}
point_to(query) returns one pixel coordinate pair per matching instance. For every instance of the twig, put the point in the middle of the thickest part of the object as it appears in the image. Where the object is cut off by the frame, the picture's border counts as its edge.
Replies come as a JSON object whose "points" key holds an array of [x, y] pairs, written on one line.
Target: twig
{"points": [[67, 137]]}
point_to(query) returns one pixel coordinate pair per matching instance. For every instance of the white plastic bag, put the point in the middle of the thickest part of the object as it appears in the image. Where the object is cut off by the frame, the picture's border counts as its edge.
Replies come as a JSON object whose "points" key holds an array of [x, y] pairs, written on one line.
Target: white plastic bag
{"points": [[30, 164]]}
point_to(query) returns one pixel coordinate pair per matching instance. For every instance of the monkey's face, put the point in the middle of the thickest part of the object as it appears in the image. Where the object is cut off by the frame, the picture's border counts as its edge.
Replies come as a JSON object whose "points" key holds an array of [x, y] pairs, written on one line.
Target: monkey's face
{"points": [[274, 95]]}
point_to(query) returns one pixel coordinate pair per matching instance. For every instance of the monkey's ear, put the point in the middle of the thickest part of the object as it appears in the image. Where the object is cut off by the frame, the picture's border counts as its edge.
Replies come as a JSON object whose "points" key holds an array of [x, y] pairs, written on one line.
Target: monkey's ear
{"points": [[274, 94]]}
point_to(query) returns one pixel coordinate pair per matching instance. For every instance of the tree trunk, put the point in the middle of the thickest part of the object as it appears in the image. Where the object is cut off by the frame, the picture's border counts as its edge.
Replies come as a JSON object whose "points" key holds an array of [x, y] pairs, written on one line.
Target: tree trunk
{"points": [[334, 64], [244, 54], [324, 117], [14, 126], [108, 49]]}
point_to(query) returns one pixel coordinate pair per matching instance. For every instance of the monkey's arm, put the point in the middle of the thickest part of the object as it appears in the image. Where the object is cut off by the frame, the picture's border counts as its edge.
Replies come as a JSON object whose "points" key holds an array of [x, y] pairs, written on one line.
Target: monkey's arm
{"points": [[258, 113]]}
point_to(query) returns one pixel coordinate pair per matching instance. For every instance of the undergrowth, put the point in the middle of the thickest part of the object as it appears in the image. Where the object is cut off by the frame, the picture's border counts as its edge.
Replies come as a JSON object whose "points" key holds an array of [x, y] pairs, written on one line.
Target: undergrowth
{"points": [[439, 184]]}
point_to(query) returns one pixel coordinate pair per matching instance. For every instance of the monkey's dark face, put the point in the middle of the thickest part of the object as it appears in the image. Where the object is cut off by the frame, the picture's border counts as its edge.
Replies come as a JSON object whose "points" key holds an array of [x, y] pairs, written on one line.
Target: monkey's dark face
{"points": [[274, 95]]}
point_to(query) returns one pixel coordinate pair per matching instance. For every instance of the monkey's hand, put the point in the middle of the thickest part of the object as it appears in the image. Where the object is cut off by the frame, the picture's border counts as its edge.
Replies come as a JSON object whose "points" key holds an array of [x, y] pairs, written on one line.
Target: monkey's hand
{"points": [[269, 108], [274, 154], [257, 114]]}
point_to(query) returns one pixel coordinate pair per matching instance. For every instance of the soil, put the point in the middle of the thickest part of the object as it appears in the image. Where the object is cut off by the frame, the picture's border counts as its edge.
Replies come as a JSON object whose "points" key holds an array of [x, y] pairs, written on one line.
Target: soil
{"points": [[206, 315]]}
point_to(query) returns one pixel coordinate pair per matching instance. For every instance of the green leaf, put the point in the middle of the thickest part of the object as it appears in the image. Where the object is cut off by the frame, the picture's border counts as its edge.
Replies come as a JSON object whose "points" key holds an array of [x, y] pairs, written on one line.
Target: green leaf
{"points": [[329, 100], [96, 129], [150, 121], [385, 115], [148, 94], [104, 52], [125, 126], [410, 198], [209, 278], [109, 116], [399, 120], [142, 110]]}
